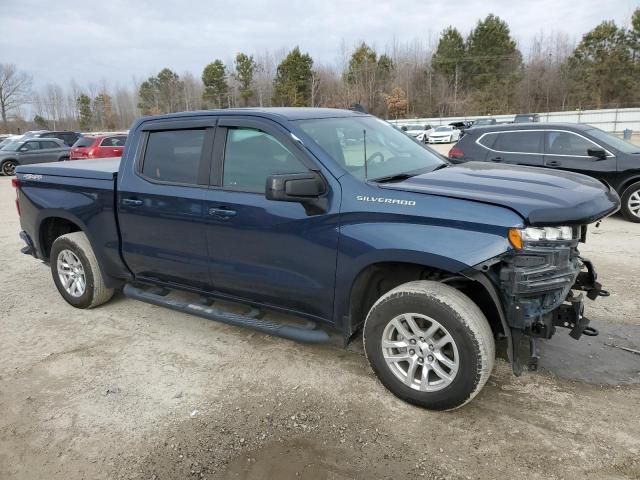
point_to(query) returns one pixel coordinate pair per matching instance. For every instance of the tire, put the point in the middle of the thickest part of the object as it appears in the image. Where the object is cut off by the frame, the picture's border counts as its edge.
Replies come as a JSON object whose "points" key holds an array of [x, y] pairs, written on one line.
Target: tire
{"points": [[70, 250], [631, 203], [436, 310], [8, 168]]}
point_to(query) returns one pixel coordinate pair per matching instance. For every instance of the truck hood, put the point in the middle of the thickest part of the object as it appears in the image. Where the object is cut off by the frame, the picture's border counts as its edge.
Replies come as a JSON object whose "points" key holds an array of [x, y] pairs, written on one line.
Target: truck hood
{"points": [[539, 196]]}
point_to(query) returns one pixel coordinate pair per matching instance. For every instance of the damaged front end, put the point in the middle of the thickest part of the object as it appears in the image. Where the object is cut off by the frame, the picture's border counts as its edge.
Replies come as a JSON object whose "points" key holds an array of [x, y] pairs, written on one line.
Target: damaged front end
{"points": [[542, 284]]}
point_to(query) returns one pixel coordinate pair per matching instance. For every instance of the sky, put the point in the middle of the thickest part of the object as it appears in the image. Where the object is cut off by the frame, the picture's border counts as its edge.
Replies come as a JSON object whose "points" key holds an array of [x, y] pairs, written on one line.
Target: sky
{"points": [[116, 40]]}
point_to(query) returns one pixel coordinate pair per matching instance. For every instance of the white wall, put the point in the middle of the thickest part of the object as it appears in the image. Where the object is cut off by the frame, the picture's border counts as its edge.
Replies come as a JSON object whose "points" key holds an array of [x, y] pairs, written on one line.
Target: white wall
{"points": [[609, 120]]}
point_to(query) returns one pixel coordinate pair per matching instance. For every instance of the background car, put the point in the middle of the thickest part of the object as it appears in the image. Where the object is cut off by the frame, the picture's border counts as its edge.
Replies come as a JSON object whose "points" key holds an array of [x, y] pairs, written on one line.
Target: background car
{"points": [[576, 147], [444, 134], [419, 132], [483, 122], [99, 146], [526, 118], [68, 137], [31, 150], [9, 139]]}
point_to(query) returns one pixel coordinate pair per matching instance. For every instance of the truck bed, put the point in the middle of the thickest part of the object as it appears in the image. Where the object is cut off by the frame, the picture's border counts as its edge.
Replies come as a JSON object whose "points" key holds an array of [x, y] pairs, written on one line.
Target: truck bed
{"points": [[103, 169]]}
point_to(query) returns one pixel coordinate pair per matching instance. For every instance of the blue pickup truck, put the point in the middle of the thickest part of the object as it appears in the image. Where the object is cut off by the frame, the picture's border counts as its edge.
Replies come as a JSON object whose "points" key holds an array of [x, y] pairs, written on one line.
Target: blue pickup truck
{"points": [[336, 218]]}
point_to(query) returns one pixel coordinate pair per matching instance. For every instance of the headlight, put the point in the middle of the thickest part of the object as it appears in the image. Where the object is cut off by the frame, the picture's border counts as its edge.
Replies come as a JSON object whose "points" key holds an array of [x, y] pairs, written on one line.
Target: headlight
{"points": [[519, 237]]}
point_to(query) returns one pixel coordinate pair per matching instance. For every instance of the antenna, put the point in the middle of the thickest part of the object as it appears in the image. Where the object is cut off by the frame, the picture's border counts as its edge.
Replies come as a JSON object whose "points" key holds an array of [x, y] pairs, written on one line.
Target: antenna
{"points": [[364, 140]]}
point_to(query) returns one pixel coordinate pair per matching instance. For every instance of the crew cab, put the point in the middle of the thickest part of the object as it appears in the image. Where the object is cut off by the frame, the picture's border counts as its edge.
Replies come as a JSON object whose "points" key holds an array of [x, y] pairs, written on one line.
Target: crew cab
{"points": [[272, 209]]}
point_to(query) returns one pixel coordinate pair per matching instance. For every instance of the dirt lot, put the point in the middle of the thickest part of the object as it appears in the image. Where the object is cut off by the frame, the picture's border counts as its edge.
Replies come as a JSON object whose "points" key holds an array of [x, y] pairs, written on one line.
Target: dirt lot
{"points": [[130, 390]]}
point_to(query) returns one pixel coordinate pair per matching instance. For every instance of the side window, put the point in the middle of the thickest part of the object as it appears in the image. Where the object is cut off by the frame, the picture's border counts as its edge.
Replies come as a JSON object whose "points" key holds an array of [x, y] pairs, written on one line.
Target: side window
{"points": [[488, 140], [567, 143], [49, 145], [251, 156], [519, 142], [174, 156], [108, 142], [34, 145]]}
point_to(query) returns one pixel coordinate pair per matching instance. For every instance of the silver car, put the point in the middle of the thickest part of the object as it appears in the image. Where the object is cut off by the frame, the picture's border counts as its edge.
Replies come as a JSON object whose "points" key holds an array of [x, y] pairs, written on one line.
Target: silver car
{"points": [[31, 150]]}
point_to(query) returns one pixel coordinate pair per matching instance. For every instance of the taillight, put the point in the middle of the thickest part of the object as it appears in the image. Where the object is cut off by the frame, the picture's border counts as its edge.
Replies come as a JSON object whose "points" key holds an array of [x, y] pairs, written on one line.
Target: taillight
{"points": [[15, 183], [91, 153], [456, 152]]}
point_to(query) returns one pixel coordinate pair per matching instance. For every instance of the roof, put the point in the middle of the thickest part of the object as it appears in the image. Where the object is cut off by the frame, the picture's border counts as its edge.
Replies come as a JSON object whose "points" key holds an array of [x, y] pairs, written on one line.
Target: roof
{"points": [[287, 113], [500, 127]]}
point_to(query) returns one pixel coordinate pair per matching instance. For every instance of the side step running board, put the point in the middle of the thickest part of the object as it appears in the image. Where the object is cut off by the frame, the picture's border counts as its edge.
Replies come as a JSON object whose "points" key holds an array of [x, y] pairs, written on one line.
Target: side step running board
{"points": [[292, 332]]}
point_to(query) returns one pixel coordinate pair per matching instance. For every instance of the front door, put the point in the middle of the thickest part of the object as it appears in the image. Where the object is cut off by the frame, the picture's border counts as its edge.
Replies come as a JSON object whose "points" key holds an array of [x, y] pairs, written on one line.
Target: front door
{"points": [[161, 204], [566, 150], [271, 252]]}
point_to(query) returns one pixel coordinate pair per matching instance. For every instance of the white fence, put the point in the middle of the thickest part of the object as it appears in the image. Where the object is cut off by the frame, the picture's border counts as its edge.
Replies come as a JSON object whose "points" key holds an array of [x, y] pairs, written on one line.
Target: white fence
{"points": [[609, 120]]}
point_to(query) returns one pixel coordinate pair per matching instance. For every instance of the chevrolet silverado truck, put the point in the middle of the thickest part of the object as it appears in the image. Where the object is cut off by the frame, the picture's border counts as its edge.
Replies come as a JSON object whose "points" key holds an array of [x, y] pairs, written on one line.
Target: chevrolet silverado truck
{"points": [[335, 218]]}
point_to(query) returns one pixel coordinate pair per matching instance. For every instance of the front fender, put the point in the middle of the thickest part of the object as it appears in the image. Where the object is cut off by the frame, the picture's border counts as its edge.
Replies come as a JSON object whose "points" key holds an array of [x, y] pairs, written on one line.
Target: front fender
{"points": [[452, 248]]}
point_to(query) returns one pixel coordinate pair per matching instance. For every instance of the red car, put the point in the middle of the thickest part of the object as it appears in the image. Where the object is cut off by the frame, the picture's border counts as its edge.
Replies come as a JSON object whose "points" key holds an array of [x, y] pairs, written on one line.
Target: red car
{"points": [[100, 146]]}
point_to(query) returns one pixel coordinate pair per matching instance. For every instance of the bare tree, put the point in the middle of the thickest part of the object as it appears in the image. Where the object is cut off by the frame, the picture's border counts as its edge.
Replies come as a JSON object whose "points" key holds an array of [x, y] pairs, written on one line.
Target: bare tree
{"points": [[15, 87]]}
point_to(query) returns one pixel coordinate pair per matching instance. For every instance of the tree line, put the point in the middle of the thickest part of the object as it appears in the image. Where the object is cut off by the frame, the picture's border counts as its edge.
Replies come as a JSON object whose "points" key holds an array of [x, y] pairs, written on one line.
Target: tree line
{"points": [[481, 73]]}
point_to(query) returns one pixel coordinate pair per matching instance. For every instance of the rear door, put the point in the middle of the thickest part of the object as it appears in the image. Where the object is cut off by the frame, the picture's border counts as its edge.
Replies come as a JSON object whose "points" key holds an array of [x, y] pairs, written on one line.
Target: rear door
{"points": [[161, 202], [271, 252], [566, 150], [112, 146], [51, 151], [519, 147]]}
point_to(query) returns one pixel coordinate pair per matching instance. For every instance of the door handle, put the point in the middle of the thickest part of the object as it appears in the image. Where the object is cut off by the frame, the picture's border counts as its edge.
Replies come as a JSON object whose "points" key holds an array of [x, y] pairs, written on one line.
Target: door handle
{"points": [[222, 212], [497, 159], [131, 202], [553, 163]]}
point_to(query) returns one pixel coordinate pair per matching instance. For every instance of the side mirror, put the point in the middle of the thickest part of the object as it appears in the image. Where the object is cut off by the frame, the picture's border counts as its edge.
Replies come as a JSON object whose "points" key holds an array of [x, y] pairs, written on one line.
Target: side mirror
{"points": [[295, 187], [23, 149], [403, 128], [599, 153]]}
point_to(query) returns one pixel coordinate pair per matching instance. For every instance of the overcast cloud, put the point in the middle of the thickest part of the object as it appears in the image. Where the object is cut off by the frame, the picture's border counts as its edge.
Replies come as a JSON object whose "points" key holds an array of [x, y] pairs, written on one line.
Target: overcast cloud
{"points": [[116, 40]]}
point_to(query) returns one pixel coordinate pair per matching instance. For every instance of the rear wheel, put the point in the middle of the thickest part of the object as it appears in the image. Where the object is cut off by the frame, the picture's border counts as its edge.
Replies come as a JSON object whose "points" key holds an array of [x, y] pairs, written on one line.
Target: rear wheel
{"points": [[631, 202], [8, 167], [76, 271], [429, 344]]}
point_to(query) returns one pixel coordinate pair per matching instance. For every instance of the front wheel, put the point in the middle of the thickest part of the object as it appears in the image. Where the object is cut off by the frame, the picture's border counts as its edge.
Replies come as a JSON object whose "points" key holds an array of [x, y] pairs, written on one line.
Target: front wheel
{"points": [[8, 168], [429, 344], [631, 203], [76, 271]]}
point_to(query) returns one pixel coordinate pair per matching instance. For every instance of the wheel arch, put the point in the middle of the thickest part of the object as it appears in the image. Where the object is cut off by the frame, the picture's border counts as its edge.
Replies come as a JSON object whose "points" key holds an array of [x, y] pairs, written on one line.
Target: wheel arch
{"points": [[628, 182], [377, 278]]}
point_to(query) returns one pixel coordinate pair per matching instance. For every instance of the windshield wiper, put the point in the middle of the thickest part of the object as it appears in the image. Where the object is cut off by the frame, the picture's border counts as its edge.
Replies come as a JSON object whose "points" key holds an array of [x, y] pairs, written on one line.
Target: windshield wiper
{"points": [[394, 178]]}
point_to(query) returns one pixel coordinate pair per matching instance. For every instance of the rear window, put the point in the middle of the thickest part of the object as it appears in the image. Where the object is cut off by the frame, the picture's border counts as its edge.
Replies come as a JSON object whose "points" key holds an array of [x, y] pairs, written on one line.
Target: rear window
{"points": [[84, 142], [174, 156], [114, 141], [519, 142]]}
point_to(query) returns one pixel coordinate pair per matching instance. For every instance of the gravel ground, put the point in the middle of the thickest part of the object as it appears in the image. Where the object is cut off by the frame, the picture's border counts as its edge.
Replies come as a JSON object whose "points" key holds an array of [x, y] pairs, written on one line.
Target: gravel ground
{"points": [[130, 390]]}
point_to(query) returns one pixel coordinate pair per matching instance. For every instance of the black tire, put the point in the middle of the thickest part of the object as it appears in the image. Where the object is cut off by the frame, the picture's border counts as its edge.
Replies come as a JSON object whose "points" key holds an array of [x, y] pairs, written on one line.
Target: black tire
{"points": [[95, 292], [631, 195], [8, 168], [461, 319]]}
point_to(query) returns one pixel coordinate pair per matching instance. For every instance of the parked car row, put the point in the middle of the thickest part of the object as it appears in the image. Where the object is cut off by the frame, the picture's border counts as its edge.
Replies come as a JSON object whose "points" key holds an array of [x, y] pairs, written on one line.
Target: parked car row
{"points": [[571, 147], [43, 146]]}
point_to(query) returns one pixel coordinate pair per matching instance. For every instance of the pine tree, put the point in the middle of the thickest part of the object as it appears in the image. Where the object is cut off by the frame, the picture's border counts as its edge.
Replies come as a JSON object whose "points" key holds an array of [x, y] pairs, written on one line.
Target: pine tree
{"points": [[292, 85], [83, 107], [163, 93], [215, 84], [450, 52], [601, 67], [245, 68]]}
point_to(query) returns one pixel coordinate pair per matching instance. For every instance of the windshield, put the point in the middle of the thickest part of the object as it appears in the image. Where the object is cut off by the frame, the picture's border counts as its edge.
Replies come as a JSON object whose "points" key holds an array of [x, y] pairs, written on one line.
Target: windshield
{"points": [[389, 151], [12, 146], [615, 142], [443, 129]]}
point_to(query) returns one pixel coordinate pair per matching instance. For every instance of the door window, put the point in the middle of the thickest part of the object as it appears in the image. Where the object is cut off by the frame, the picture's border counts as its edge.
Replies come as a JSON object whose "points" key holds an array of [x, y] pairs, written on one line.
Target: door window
{"points": [[113, 142], [251, 156], [31, 146], [49, 145], [567, 143], [519, 142], [174, 156]]}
